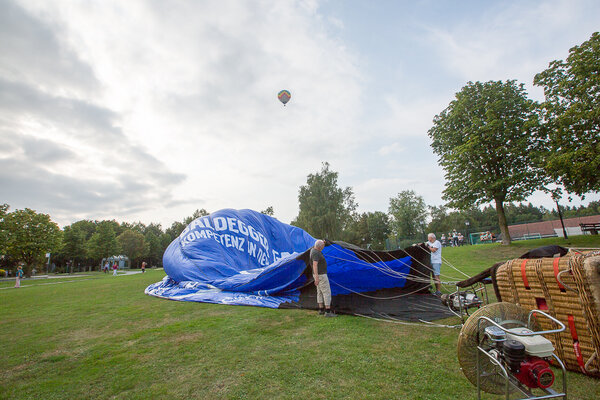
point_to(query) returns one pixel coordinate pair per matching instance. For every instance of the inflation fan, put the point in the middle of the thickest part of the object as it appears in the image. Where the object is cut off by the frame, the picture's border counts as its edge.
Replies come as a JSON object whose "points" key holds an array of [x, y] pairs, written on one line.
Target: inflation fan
{"points": [[500, 351]]}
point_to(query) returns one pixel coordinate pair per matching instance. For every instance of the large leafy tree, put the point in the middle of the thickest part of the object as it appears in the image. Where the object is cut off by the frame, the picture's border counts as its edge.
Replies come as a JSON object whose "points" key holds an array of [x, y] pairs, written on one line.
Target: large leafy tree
{"points": [[409, 212], [133, 245], [571, 115], [325, 209], [29, 236], [74, 240], [152, 235], [103, 243], [378, 226], [369, 230], [486, 145]]}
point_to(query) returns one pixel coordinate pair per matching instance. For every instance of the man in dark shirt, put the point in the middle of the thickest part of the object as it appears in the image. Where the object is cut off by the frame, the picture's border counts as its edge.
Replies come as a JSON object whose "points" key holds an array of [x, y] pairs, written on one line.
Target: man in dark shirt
{"points": [[319, 268]]}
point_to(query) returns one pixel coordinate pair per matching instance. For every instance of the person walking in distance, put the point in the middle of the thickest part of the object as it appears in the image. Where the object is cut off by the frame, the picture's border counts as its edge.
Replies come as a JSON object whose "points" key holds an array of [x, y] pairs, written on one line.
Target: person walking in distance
{"points": [[436, 260], [19, 276], [115, 267], [143, 266], [319, 269]]}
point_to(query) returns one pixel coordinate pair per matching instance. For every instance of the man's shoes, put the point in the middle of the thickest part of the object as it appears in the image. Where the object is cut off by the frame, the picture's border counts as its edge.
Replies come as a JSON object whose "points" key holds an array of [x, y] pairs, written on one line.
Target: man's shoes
{"points": [[321, 311], [330, 314], [438, 293]]}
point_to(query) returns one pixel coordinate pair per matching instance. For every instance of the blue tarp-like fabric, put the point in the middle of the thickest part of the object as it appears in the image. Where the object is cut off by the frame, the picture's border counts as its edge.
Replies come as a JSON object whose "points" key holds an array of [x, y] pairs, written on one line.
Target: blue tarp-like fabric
{"points": [[243, 257]]}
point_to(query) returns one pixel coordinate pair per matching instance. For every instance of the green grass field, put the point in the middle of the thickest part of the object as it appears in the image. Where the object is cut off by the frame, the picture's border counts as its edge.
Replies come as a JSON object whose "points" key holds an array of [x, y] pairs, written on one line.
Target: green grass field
{"points": [[100, 337]]}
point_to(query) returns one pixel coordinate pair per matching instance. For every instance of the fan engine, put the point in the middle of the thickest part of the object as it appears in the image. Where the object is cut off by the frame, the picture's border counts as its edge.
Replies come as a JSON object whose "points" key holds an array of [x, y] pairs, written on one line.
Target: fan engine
{"points": [[500, 351], [460, 300]]}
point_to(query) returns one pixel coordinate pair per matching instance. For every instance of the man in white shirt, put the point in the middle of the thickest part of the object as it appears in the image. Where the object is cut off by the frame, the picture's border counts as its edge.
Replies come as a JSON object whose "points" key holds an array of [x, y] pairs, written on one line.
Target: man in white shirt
{"points": [[436, 260]]}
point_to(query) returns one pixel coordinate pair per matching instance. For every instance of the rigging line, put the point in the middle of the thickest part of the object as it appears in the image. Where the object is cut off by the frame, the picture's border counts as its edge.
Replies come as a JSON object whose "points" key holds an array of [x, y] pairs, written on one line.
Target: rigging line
{"points": [[454, 312], [374, 297], [452, 266], [457, 326], [351, 253], [429, 268], [386, 271], [386, 267], [425, 322], [395, 274], [394, 321], [426, 278]]}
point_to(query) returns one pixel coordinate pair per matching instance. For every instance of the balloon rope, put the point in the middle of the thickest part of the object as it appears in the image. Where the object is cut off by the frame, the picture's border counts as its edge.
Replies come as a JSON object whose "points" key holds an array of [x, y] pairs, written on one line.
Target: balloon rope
{"points": [[396, 321]]}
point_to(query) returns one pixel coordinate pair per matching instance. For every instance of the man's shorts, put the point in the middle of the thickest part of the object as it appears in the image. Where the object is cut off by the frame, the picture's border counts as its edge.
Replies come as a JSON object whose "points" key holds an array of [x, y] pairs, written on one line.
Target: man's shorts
{"points": [[437, 268], [324, 291]]}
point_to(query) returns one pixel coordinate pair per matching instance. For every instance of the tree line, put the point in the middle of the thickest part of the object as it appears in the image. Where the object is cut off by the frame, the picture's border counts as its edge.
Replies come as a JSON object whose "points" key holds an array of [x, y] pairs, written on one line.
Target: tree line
{"points": [[325, 211], [329, 211], [26, 236]]}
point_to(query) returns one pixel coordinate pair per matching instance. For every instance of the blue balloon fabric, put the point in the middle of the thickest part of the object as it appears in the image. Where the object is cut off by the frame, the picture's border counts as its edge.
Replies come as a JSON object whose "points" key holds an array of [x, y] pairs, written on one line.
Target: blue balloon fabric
{"points": [[243, 257]]}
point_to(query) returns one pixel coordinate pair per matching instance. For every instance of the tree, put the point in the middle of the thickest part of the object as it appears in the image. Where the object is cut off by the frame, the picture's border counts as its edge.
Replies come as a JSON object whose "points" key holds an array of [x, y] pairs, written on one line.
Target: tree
{"points": [[155, 250], [571, 117], [152, 235], [197, 214], [29, 236], [3, 211], [103, 242], [486, 145], [409, 213], [378, 225], [269, 211], [175, 229], [74, 240], [132, 244], [325, 209]]}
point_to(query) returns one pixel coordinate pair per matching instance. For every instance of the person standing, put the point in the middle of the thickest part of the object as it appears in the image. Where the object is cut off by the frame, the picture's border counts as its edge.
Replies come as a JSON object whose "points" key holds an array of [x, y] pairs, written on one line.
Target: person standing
{"points": [[19, 276], [319, 269], [106, 267], [115, 269], [143, 266], [436, 261]]}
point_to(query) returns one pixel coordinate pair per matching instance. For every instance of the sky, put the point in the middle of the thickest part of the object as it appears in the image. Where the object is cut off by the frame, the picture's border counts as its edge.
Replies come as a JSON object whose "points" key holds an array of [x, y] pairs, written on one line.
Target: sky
{"points": [[148, 110]]}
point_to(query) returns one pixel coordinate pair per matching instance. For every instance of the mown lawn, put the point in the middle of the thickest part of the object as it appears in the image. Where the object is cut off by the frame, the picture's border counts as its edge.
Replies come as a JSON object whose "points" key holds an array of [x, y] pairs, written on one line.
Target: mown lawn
{"points": [[100, 337]]}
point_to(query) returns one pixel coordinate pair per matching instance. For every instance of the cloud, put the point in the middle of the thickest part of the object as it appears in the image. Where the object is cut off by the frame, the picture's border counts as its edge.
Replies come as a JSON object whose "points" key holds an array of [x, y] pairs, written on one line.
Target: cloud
{"points": [[32, 54], [147, 110], [513, 41], [176, 104], [392, 148], [60, 152]]}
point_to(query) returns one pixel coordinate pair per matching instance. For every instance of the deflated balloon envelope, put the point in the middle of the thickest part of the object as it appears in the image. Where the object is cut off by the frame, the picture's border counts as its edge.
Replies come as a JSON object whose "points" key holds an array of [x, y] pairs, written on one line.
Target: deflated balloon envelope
{"points": [[235, 257], [243, 257]]}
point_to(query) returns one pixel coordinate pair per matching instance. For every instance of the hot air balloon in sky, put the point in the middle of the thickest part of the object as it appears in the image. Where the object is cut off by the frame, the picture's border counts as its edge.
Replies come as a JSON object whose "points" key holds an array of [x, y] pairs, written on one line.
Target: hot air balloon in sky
{"points": [[284, 96]]}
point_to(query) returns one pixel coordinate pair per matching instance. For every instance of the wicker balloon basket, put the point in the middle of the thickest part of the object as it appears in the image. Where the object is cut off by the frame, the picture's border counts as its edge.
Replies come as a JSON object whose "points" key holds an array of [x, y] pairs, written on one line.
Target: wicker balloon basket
{"points": [[568, 288]]}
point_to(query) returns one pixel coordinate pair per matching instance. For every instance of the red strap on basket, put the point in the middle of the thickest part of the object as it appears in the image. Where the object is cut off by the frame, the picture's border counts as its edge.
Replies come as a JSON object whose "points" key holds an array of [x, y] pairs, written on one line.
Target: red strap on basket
{"points": [[576, 346], [556, 271], [525, 281]]}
